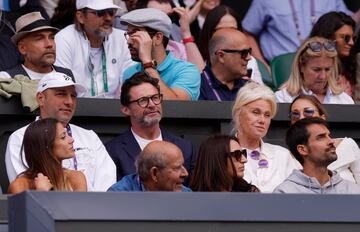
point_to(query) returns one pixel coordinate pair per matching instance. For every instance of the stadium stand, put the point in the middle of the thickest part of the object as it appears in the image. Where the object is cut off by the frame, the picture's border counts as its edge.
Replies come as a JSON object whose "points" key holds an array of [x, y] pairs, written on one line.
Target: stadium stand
{"points": [[193, 121]]}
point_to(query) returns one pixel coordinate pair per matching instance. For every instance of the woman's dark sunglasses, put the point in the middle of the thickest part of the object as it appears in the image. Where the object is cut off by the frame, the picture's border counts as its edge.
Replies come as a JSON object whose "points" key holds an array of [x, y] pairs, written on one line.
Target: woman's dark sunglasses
{"points": [[347, 38], [238, 153], [296, 115]]}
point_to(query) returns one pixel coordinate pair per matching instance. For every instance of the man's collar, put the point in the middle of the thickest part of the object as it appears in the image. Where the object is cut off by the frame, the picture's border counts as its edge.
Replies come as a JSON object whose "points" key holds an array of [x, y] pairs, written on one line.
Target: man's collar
{"points": [[218, 84], [166, 62]]}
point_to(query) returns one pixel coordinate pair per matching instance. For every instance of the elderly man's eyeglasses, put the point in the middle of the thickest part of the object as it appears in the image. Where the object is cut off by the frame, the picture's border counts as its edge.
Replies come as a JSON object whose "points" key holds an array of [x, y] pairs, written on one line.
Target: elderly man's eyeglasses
{"points": [[308, 113], [101, 13], [243, 53], [328, 45], [144, 101], [237, 154], [347, 38]]}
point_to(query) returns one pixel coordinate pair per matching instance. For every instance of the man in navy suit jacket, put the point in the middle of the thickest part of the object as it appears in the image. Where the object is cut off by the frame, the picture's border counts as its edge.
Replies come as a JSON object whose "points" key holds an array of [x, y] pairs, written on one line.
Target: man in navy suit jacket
{"points": [[141, 102]]}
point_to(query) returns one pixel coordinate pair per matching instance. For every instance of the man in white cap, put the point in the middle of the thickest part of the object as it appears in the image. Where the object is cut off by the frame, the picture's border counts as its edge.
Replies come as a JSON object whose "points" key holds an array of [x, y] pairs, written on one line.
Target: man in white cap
{"points": [[147, 36], [56, 95], [95, 51], [34, 38]]}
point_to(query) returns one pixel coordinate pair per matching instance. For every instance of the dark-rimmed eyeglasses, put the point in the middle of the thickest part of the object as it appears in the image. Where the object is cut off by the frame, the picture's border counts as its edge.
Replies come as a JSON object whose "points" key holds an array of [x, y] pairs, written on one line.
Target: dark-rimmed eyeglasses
{"points": [[347, 38], [308, 113], [144, 101], [327, 45], [101, 13], [243, 53], [237, 154]]}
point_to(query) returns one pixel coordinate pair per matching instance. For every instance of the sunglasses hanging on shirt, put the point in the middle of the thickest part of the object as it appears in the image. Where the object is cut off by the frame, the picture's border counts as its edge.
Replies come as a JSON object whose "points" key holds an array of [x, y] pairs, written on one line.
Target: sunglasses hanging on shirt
{"points": [[262, 162]]}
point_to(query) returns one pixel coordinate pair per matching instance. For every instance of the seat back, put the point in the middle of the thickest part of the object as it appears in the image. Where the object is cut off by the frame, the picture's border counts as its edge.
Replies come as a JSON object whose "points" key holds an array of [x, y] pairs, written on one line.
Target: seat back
{"points": [[4, 180], [265, 74], [281, 67]]}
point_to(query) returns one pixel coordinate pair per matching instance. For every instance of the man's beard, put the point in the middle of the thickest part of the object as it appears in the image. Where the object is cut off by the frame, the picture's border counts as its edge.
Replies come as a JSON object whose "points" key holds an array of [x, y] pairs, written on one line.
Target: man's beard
{"points": [[102, 34], [45, 60], [134, 54], [331, 158], [150, 121]]}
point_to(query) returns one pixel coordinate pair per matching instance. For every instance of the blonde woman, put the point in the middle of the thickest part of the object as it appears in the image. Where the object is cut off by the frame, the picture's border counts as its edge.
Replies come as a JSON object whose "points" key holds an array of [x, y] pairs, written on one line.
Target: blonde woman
{"points": [[268, 165], [314, 72]]}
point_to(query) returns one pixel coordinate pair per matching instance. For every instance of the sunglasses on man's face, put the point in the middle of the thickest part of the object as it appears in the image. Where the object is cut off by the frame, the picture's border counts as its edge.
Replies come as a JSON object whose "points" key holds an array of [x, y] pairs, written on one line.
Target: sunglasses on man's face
{"points": [[243, 53], [296, 115], [237, 154], [101, 13], [327, 45], [347, 38]]}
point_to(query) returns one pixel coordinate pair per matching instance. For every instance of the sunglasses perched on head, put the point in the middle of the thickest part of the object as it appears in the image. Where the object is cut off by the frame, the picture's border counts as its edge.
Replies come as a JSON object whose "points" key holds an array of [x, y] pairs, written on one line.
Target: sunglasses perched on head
{"points": [[101, 13], [347, 38], [237, 154], [243, 53], [308, 113], [327, 45]]}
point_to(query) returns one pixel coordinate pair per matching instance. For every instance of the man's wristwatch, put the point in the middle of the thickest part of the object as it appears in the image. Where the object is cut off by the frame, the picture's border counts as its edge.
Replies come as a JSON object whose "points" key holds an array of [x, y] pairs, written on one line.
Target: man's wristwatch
{"points": [[151, 64]]}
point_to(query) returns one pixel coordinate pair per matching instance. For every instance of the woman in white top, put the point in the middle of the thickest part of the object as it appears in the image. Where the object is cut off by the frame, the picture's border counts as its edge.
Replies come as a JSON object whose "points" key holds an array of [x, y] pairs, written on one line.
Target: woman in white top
{"points": [[314, 72], [268, 165], [348, 152]]}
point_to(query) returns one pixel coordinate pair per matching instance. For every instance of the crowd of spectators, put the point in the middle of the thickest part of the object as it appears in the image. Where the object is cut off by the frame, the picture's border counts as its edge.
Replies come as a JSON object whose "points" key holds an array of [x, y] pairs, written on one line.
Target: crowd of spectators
{"points": [[146, 51]]}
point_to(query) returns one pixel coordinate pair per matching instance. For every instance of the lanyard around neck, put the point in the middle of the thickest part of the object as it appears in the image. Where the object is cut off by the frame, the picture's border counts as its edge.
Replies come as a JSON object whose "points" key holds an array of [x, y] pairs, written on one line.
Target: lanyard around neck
{"points": [[104, 72], [296, 18], [211, 86]]}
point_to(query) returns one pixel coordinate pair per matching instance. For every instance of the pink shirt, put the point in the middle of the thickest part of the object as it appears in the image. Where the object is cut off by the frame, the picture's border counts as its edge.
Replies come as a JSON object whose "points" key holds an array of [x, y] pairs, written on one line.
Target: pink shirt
{"points": [[177, 50]]}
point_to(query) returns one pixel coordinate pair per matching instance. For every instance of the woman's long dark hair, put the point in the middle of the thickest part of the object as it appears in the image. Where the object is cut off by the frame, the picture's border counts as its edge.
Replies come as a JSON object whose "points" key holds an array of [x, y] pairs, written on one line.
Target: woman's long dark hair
{"points": [[64, 14], [326, 26], [38, 145], [211, 169], [211, 21]]}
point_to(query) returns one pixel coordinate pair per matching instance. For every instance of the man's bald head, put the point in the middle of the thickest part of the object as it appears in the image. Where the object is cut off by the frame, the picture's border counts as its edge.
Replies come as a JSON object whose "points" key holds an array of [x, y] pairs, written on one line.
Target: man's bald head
{"points": [[226, 38], [160, 147], [155, 154], [160, 167]]}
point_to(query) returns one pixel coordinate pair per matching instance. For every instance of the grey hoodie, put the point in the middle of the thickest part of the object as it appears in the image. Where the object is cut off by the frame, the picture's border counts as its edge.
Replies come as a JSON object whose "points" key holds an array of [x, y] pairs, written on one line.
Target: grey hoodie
{"points": [[298, 182]]}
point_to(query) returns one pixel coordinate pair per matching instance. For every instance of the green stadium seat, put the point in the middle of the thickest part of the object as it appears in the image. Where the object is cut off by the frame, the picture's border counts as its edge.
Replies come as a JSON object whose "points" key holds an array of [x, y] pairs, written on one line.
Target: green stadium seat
{"points": [[281, 68], [265, 75]]}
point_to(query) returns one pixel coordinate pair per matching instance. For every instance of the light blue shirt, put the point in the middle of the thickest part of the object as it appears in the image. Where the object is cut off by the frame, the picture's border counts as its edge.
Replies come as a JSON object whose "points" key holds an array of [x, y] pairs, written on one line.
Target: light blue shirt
{"points": [[4, 5], [273, 22], [175, 73], [132, 183]]}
